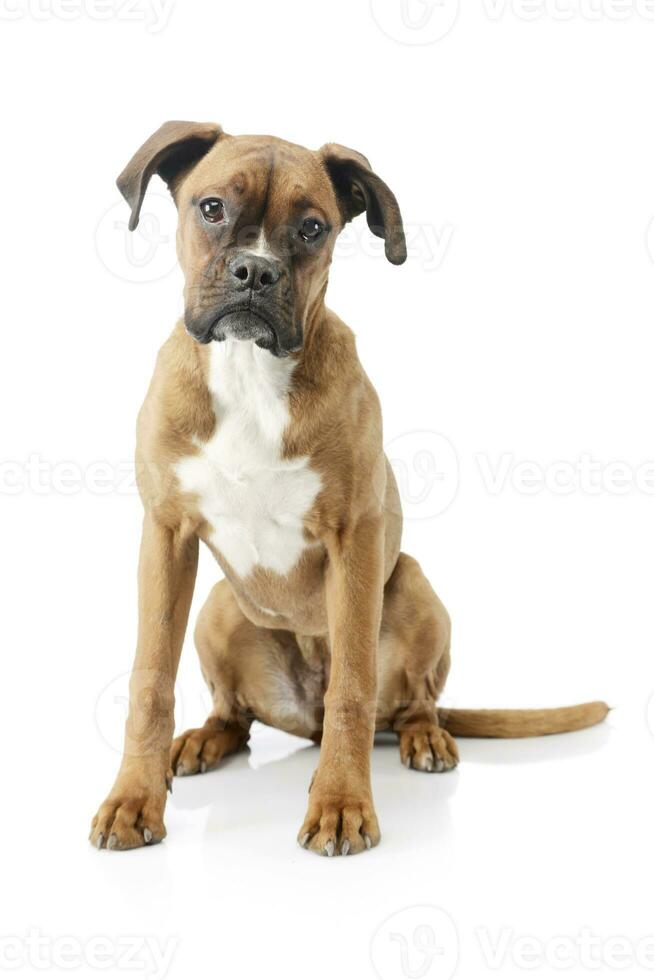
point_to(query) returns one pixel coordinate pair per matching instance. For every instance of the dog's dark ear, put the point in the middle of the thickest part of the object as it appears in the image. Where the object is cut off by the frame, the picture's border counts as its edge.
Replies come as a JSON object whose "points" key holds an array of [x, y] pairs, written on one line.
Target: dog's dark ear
{"points": [[358, 189], [171, 151]]}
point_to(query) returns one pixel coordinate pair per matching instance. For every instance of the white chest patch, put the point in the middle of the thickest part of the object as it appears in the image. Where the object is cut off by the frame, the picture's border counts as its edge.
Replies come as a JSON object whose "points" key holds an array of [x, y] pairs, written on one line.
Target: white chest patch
{"points": [[254, 500]]}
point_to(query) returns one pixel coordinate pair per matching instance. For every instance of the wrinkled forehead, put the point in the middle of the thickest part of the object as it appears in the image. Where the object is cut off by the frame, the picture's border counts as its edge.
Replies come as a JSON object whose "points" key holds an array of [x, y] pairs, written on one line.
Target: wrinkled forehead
{"points": [[266, 177]]}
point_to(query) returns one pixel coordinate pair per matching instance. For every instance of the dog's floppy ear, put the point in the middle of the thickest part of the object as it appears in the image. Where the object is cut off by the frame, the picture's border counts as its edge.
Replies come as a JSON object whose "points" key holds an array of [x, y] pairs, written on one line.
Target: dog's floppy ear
{"points": [[174, 148], [358, 189]]}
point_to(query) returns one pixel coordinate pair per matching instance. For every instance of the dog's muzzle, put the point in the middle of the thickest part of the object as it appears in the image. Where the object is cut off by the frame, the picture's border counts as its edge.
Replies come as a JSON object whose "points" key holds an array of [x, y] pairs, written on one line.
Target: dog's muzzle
{"points": [[239, 322], [245, 325], [250, 312]]}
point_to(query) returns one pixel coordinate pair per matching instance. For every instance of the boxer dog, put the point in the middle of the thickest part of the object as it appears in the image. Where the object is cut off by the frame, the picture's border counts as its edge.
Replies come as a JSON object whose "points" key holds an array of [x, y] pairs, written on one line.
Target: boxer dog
{"points": [[261, 436]]}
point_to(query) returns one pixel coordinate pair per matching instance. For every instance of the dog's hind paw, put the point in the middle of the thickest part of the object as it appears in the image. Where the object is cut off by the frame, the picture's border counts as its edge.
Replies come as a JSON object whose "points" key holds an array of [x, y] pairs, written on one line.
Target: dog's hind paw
{"points": [[201, 749], [430, 749]]}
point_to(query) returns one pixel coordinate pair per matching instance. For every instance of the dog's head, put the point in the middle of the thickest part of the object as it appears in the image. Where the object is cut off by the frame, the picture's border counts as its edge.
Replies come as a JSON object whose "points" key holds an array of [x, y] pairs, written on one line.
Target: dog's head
{"points": [[258, 218]]}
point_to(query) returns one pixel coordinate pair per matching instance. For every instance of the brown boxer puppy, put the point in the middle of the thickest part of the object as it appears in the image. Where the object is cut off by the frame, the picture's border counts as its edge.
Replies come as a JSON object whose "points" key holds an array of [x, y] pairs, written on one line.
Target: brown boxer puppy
{"points": [[261, 436]]}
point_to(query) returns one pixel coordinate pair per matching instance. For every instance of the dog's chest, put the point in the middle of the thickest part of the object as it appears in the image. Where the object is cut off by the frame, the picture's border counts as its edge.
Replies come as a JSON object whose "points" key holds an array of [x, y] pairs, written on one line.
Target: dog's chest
{"points": [[254, 500]]}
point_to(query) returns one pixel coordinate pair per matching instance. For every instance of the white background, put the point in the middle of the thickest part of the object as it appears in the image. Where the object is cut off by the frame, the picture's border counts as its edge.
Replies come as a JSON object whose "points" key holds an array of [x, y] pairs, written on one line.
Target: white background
{"points": [[520, 145]]}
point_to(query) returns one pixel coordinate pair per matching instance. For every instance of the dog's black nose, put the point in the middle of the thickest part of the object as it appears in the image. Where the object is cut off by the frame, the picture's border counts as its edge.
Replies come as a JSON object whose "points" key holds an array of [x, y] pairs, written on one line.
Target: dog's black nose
{"points": [[254, 272]]}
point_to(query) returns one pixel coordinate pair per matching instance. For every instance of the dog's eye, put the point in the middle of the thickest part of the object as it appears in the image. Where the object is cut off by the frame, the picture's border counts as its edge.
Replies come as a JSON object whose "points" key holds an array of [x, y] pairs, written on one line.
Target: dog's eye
{"points": [[311, 229], [212, 209]]}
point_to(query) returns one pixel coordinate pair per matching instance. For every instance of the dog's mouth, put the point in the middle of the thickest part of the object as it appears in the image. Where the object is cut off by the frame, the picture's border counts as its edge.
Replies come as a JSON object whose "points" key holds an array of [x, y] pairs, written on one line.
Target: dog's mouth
{"points": [[246, 323]]}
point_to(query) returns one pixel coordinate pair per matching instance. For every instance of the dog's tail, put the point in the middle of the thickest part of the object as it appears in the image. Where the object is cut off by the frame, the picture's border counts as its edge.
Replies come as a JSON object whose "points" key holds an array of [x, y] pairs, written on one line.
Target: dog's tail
{"points": [[515, 723]]}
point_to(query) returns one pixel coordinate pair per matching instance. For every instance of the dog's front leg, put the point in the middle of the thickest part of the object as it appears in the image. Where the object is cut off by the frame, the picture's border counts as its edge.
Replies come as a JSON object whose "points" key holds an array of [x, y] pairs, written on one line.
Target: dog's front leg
{"points": [[341, 816], [132, 814]]}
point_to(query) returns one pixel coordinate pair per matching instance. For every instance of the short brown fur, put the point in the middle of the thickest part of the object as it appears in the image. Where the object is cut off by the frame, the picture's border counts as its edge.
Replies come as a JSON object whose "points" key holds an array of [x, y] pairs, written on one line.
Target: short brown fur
{"points": [[358, 641]]}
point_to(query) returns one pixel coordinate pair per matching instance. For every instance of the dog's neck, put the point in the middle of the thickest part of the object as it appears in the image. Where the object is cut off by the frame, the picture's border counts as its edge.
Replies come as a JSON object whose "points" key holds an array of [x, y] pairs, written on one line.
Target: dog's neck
{"points": [[245, 379], [239, 372]]}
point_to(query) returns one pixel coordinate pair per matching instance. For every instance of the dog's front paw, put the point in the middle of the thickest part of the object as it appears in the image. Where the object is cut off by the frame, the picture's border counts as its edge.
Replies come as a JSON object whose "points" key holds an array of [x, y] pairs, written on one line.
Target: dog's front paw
{"points": [[130, 817], [339, 824]]}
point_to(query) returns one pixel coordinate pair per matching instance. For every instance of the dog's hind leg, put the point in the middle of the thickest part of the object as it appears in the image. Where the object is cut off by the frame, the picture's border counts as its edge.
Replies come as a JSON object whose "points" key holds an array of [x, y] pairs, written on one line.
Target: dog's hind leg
{"points": [[414, 661], [252, 672]]}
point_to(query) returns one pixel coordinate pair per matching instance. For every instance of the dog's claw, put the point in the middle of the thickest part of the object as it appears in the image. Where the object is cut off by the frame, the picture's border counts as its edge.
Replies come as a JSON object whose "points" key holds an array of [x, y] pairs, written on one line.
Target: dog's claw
{"points": [[367, 840], [169, 782], [305, 840], [345, 847], [203, 766], [147, 835], [111, 843], [100, 841], [329, 848]]}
